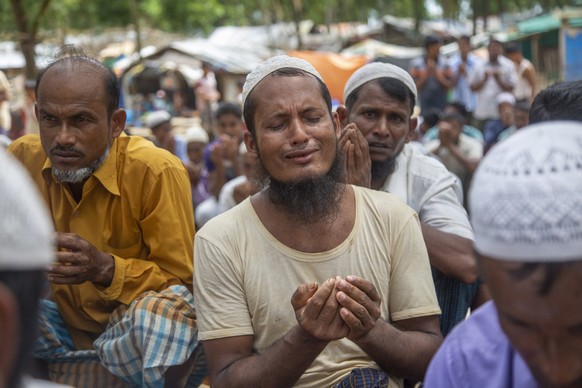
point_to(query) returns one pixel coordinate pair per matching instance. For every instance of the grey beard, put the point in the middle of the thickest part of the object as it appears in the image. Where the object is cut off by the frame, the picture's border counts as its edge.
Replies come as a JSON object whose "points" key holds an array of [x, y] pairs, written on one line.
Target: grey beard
{"points": [[311, 200], [81, 174]]}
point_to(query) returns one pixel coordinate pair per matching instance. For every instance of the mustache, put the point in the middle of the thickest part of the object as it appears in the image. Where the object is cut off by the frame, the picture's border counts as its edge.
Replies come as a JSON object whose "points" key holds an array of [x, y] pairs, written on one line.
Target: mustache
{"points": [[67, 149]]}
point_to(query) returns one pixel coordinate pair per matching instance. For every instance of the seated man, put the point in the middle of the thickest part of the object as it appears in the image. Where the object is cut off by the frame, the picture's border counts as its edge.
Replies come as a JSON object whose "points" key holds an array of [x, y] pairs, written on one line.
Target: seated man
{"points": [[221, 158], [160, 123], [351, 260], [432, 133], [526, 208], [122, 210], [377, 123], [243, 186], [505, 105], [459, 153]]}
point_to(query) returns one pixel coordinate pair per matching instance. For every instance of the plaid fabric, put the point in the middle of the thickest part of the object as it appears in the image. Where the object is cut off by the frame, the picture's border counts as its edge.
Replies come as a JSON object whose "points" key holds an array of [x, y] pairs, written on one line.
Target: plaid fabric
{"points": [[455, 298], [364, 378], [141, 341]]}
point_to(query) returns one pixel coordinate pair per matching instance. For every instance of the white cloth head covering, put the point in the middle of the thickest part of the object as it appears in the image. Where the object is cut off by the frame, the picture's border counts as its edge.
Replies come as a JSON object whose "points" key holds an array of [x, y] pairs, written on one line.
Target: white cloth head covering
{"points": [[26, 233], [505, 97], [271, 65], [196, 134], [525, 200], [153, 119], [377, 70]]}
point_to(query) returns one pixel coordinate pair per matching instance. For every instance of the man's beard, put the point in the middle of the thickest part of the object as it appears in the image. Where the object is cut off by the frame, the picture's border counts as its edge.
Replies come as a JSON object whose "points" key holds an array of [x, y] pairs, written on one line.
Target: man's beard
{"points": [[80, 174], [310, 200], [382, 170]]}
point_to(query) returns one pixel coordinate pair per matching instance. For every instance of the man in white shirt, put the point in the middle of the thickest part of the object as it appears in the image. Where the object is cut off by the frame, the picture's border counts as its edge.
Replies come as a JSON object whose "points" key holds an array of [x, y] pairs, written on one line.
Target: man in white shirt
{"points": [[488, 79]]}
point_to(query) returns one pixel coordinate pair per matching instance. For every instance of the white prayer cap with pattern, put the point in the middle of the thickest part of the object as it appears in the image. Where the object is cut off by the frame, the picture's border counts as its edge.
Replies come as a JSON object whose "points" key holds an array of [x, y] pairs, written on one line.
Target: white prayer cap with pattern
{"points": [[525, 199], [270, 66], [377, 70], [26, 232]]}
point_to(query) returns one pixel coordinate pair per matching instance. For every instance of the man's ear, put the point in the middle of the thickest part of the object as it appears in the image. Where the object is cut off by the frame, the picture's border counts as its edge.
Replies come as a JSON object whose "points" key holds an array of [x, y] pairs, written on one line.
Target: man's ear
{"points": [[251, 144], [36, 111], [118, 119], [412, 124], [343, 114]]}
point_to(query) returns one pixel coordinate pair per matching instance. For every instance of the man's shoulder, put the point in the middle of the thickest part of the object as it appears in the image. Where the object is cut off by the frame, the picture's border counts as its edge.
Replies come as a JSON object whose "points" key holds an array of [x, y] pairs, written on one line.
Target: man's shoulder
{"points": [[424, 166], [383, 203], [28, 150], [140, 153], [478, 336], [470, 142], [230, 224]]}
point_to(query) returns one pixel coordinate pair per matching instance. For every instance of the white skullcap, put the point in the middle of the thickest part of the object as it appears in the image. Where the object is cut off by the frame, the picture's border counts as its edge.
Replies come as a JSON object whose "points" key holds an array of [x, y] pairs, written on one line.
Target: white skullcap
{"points": [[196, 134], [153, 119], [26, 233], [271, 65], [505, 97], [526, 195], [377, 70]]}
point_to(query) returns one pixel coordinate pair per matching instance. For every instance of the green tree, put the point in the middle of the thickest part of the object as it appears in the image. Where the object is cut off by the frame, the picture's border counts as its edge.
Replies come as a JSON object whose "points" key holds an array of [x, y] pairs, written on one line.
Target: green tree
{"points": [[27, 19]]}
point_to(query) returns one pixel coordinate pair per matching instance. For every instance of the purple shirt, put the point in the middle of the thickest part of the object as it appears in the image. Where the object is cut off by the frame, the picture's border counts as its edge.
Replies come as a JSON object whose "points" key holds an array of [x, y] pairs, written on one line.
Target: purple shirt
{"points": [[478, 354]]}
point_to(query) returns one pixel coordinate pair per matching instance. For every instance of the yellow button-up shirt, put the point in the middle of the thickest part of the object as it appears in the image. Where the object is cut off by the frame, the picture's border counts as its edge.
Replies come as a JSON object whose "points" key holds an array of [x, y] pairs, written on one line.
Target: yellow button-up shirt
{"points": [[137, 207]]}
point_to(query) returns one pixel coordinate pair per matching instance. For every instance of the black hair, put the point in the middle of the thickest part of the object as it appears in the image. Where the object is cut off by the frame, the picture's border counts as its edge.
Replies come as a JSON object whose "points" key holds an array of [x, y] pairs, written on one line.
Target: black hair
{"points": [[512, 48], [390, 86], [69, 55], [27, 287], [432, 117], [452, 116], [560, 101], [250, 107], [228, 108], [459, 107]]}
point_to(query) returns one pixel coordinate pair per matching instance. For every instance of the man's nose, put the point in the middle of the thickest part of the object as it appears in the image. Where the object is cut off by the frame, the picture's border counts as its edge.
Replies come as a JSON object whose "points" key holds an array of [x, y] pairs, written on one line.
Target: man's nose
{"points": [[65, 135], [381, 128], [298, 132]]}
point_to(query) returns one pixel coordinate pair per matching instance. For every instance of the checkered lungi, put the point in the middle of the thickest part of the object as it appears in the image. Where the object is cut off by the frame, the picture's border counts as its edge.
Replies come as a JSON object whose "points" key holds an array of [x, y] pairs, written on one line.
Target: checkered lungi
{"points": [[141, 341]]}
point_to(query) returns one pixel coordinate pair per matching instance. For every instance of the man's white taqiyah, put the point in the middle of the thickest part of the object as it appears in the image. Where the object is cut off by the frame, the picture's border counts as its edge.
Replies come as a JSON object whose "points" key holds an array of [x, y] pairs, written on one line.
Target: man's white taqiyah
{"points": [[155, 118], [26, 232], [271, 65], [525, 199], [377, 70]]}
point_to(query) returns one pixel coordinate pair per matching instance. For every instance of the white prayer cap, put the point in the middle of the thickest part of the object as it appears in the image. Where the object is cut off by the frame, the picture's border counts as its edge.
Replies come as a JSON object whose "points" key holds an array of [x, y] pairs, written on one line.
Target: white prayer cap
{"points": [[196, 134], [153, 119], [526, 196], [26, 233], [505, 97], [377, 70], [270, 66]]}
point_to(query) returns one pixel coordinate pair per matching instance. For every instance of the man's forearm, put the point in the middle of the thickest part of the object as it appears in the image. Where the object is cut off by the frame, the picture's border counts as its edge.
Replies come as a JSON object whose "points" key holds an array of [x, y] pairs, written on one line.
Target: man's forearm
{"points": [[405, 354], [280, 365], [450, 254]]}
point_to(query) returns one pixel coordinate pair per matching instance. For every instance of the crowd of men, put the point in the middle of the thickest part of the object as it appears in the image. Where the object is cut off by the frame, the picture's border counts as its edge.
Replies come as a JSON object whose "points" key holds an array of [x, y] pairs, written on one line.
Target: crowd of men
{"points": [[296, 245]]}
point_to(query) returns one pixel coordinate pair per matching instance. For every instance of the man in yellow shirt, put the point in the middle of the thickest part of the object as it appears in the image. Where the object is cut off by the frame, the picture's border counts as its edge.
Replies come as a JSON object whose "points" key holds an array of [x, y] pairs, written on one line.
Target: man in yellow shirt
{"points": [[122, 210]]}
